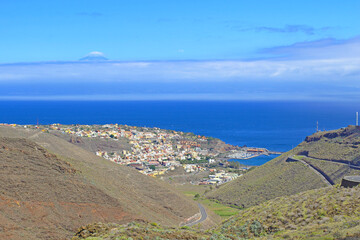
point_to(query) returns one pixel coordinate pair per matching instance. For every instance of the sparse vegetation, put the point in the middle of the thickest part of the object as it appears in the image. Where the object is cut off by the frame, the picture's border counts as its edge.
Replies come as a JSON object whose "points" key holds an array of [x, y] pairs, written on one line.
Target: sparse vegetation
{"points": [[340, 145], [320, 213], [334, 170], [137, 230], [99, 189], [273, 179], [328, 213], [281, 178]]}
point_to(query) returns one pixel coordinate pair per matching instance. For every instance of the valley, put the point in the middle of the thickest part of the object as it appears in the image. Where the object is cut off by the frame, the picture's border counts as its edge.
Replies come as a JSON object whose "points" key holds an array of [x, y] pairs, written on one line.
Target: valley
{"points": [[60, 181]]}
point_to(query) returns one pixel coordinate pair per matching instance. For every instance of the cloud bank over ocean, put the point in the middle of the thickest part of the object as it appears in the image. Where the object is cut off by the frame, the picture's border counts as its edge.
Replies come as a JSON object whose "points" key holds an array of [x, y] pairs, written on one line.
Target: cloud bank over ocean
{"points": [[305, 69]]}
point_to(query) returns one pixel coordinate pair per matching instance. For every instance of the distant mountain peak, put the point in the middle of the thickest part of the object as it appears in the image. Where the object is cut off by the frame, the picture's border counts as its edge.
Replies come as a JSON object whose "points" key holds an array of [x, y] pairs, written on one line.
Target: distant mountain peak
{"points": [[94, 56]]}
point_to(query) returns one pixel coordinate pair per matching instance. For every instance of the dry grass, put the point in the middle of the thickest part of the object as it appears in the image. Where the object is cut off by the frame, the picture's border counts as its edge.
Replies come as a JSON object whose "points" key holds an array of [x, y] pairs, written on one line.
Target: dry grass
{"points": [[281, 178], [342, 145], [336, 171], [328, 213], [45, 197], [137, 230], [142, 196], [273, 179], [331, 212]]}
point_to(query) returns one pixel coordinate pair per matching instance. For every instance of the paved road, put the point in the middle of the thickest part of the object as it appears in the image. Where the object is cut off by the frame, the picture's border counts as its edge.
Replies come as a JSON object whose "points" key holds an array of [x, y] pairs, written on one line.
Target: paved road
{"points": [[320, 174], [203, 216], [338, 162]]}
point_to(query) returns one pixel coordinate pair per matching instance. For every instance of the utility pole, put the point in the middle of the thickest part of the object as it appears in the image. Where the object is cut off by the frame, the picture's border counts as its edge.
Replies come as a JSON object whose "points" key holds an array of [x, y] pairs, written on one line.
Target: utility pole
{"points": [[317, 126], [357, 118]]}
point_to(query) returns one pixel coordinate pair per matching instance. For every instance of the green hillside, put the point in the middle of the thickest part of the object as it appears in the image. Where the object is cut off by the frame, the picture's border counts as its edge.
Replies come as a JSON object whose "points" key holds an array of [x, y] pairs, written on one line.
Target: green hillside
{"points": [[280, 177], [338, 145], [331, 212], [335, 171], [273, 179], [327, 213]]}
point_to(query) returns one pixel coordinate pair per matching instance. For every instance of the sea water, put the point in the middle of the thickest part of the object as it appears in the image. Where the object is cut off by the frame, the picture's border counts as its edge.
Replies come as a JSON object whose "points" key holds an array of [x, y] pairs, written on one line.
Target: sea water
{"points": [[277, 126]]}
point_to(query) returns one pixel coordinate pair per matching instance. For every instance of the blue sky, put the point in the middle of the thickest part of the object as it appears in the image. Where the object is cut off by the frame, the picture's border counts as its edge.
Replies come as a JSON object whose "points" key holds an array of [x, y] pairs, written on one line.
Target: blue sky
{"points": [[180, 49]]}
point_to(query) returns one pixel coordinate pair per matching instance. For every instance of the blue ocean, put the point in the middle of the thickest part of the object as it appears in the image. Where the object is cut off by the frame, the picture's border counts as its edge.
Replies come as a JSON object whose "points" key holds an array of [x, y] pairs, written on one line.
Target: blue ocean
{"points": [[277, 126]]}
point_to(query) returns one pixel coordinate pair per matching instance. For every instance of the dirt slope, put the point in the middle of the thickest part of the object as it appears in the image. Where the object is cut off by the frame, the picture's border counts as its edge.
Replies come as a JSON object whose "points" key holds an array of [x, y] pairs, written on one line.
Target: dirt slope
{"points": [[95, 144], [141, 196], [44, 197]]}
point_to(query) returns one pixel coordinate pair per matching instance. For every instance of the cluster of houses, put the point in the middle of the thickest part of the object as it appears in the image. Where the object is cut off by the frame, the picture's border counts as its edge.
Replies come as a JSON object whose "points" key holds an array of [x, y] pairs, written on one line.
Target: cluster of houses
{"points": [[193, 168], [219, 177], [153, 150]]}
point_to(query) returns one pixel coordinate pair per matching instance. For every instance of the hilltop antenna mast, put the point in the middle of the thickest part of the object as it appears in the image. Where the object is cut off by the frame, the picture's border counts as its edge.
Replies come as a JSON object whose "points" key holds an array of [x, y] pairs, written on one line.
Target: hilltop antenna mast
{"points": [[317, 126], [357, 118]]}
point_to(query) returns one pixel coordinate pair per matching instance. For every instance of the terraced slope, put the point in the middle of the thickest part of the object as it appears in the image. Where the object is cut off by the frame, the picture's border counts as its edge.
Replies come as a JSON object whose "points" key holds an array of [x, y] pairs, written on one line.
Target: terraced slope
{"points": [[141, 196], [281, 178]]}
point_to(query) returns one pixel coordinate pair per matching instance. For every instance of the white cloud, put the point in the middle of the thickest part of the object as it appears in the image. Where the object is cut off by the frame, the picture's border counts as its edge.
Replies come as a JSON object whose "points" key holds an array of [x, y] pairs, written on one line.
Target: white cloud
{"points": [[320, 69], [320, 63], [319, 49]]}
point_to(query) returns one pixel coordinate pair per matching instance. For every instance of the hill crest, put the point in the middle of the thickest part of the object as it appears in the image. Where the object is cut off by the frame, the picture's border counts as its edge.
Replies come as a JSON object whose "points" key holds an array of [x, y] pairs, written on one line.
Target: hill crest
{"points": [[280, 177]]}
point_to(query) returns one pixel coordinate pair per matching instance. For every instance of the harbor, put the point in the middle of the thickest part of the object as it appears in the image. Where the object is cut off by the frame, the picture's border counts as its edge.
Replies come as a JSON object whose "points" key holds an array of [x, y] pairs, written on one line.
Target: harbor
{"points": [[248, 153]]}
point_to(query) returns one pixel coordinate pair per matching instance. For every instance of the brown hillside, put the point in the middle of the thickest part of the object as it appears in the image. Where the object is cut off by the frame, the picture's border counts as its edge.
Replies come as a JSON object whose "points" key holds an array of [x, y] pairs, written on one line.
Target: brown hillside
{"points": [[95, 144], [44, 197], [142, 196]]}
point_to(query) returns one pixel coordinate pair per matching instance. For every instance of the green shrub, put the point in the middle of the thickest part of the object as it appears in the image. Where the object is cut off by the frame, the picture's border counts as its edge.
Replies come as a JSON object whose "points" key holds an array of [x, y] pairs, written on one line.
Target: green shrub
{"points": [[256, 228]]}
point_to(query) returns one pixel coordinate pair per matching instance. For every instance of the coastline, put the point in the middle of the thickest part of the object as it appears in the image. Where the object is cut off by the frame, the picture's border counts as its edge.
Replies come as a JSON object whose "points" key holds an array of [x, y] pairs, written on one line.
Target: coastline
{"points": [[254, 161], [131, 139], [259, 155]]}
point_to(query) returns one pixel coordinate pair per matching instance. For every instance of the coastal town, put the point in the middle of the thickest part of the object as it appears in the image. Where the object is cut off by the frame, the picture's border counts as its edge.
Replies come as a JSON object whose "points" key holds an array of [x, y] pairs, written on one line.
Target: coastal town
{"points": [[155, 151]]}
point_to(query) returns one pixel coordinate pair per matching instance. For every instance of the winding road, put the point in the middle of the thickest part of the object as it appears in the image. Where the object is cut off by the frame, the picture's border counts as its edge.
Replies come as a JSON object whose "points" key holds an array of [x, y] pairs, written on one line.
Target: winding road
{"points": [[203, 216]]}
